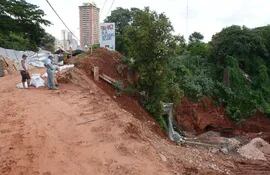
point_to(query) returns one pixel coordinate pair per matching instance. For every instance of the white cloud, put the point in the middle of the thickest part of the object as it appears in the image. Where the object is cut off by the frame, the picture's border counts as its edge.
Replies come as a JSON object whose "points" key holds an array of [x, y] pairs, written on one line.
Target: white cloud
{"points": [[205, 16]]}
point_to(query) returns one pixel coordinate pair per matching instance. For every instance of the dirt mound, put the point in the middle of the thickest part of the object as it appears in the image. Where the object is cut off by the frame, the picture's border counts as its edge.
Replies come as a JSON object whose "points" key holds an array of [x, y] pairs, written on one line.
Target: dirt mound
{"points": [[110, 64], [107, 61], [256, 149]]}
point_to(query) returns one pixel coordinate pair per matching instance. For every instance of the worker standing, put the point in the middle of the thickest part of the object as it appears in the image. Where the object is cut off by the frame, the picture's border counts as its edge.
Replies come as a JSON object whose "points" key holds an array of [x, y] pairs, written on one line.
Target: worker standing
{"points": [[24, 72], [51, 73]]}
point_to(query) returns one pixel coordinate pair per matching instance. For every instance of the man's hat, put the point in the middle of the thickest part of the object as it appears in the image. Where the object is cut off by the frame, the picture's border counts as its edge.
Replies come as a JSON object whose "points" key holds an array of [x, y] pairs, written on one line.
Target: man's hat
{"points": [[24, 56]]}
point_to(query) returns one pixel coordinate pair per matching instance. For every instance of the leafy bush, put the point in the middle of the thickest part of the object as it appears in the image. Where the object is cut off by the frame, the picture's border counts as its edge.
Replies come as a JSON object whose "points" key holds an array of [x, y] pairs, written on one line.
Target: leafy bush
{"points": [[193, 75]]}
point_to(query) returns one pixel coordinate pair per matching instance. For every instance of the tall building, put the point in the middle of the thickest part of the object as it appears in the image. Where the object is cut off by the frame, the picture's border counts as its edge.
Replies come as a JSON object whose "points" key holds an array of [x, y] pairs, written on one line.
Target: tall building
{"points": [[64, 39], [89, 24], [67, 41]]}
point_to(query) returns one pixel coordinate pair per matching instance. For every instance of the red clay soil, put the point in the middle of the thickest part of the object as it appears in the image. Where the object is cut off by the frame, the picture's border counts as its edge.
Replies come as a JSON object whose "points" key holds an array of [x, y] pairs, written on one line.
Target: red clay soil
{"points": [[106, 60], [108, 63], [256, 126], [257, 123], [202, 116], [190, 116]]}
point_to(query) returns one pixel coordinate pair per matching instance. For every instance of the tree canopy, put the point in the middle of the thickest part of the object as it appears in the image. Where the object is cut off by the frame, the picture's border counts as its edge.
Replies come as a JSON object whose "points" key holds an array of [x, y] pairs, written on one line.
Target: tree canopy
{"points": [[232, 69], [21, 25]]}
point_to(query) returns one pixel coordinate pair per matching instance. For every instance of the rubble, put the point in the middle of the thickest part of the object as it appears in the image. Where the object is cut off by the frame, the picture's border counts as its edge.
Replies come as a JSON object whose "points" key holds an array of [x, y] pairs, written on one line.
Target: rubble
{"points": [[256, 149], [225, 144]]}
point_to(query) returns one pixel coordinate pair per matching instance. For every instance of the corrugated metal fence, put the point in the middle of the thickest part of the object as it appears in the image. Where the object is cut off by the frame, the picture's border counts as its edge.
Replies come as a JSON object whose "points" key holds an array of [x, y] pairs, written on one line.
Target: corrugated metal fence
{"points": [[15, 54]]}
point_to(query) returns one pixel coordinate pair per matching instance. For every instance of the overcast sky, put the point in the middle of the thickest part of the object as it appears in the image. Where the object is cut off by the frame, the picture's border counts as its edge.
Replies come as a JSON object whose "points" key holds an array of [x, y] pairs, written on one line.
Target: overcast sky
{"points": [[205, 16]]}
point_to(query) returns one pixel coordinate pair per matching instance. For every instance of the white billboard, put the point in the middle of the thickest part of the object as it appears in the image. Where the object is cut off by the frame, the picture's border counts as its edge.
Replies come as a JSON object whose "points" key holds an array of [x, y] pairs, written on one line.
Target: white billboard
{"points": [[107, 35]]}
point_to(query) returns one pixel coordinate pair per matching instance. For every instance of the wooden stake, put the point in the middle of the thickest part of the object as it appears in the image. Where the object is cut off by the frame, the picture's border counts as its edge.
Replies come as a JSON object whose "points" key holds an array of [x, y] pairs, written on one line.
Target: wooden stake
{"points": [[96, 73]]}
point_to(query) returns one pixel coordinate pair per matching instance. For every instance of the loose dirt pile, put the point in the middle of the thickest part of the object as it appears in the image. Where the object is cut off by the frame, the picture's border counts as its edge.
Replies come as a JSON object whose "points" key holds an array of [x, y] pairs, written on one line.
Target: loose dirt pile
{"points": [[107, 61], [110, 64], [256, 149]]}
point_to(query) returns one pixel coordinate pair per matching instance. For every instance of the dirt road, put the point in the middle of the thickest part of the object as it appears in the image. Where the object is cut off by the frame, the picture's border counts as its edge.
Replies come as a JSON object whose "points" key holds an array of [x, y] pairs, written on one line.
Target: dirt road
{"points": [[82, 131], [46, 132]]}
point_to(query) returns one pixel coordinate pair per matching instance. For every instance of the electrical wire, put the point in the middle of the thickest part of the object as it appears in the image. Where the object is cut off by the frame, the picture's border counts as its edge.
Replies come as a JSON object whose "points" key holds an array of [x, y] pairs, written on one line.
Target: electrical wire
{"points": [[110, 8], [105, 1], [187, 16], [61, 19]]}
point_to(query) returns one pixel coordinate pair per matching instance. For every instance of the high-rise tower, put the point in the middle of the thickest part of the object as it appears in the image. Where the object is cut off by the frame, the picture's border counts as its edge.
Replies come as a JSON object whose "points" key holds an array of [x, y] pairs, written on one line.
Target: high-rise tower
{"points": [[89, 24]]}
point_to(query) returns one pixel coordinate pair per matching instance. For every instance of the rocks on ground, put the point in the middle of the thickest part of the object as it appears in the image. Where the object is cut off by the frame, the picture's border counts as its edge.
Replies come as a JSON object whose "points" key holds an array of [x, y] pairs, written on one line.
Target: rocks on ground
{"points": [[256, 149]]}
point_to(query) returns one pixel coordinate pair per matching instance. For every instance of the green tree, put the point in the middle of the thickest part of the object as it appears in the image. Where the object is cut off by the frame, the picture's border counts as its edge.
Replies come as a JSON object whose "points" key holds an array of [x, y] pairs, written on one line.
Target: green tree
{"points": [[122, 18], [196, 46], [148, 40], [48, 42], [14, 40], [195, 37], [177, 44], [241, 55], [23, 19], [264, 33], [239, 42]]}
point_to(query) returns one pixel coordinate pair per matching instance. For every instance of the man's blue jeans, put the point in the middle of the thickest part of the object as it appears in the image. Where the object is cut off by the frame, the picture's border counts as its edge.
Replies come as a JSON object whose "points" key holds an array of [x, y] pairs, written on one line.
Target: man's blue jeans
{"points": [[50, 78]]}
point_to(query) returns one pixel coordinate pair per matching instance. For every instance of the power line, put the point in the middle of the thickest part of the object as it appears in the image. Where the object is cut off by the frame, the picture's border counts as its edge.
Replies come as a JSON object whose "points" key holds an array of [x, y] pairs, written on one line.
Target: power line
{"points": [[110, 8], [61, 20], [187, 16], [105, 1]]}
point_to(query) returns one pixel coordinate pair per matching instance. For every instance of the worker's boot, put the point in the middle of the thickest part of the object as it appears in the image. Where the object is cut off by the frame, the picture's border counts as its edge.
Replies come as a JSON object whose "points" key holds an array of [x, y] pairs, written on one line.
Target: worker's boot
{"points": [[54, 88]]}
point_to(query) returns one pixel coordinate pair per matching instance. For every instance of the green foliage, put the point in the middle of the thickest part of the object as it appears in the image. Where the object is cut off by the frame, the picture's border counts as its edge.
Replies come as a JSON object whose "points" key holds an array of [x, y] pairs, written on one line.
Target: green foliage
{"points": [[195, 37], [196, 46], [149, 46], [177, 44], [14, 40], [241, 56], [21, 25], [118, 85], [193, 75], [233, 68], [47, 42], [240, 42], [122, 18]]}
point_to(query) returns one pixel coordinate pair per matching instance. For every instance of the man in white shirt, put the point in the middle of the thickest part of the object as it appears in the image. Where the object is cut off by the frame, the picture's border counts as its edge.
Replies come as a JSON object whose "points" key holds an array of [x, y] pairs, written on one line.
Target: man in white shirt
{"points": [[51, 72], [24, 72]]}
